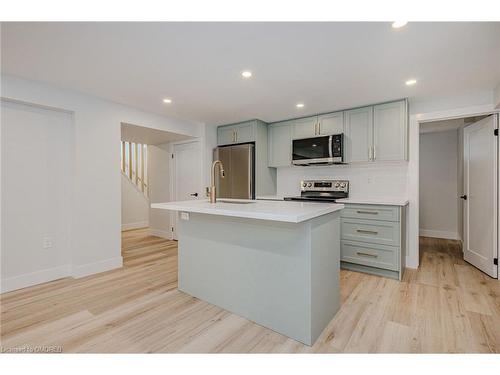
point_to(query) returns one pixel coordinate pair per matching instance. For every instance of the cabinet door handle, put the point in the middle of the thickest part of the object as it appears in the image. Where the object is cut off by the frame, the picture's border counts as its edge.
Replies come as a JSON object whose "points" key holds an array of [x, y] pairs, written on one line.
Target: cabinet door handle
{"points": [[319, 128], [366, 231], [368, 212], [367, 254], [374, 152], [369, 153]]}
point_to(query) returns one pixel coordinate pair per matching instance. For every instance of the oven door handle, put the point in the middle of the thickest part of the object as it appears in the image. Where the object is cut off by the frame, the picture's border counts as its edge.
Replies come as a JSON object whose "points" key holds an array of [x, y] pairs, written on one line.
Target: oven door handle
{"points": [[330, 146]]}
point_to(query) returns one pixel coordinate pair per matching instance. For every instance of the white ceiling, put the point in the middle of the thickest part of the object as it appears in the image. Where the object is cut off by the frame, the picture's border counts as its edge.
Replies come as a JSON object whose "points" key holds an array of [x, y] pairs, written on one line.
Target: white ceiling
{"points": [[148, 136], [327, 66]]}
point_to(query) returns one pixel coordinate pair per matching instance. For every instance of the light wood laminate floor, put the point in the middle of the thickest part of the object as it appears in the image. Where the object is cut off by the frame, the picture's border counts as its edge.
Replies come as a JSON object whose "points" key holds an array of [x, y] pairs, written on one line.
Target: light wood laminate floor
{"points": [[445, 306]]}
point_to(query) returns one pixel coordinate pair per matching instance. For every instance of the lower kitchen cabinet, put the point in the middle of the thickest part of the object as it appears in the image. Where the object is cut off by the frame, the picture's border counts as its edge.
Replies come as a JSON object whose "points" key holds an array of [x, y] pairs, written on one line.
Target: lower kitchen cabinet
{"points": [[373, 239]]}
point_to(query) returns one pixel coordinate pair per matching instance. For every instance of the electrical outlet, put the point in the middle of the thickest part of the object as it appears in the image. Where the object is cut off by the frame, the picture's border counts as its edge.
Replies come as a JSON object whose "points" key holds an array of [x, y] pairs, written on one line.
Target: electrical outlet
{"points": [[184, 215], [47, 242]]}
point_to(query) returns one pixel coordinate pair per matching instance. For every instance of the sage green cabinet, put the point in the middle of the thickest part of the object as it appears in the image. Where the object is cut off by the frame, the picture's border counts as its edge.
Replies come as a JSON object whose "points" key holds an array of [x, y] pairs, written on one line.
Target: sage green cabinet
{"points": [[331, 123], [389, 131], [255, 131], [225, 135], [245, 132], [305, 127], [328, 124], [373, 239], [238, 133], [280, 144], [358, 128], [376, 133]]}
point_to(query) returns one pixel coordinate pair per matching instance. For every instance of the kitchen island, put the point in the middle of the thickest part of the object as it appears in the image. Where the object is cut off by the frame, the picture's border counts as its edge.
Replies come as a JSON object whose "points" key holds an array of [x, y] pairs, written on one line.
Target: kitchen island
{"points": [[275, 263]]}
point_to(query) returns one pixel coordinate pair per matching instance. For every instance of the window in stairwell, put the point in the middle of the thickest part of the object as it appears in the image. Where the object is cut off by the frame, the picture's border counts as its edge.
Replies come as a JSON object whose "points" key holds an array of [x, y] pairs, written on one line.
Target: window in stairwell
{"points": [[134, 164]]}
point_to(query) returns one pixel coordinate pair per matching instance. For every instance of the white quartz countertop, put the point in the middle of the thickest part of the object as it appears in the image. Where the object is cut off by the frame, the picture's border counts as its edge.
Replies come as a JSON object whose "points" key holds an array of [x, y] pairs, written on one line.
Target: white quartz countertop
{"points": [[270, 198], [390, 201], [292, 212]]}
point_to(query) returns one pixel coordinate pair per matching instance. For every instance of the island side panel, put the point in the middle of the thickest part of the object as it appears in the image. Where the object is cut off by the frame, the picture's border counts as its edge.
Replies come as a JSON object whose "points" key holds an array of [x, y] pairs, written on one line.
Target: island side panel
{"points": [[258, 269], [325, 271]]}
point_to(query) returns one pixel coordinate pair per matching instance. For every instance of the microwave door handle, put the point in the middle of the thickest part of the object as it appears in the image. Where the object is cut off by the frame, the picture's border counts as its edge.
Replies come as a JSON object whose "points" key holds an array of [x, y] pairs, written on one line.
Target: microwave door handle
{"points": [[330, 146]]}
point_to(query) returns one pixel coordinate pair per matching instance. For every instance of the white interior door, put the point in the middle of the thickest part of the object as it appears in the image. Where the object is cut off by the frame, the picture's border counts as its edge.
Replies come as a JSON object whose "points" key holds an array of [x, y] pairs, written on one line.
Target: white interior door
{"points": [[480, 194], [187, 175]]}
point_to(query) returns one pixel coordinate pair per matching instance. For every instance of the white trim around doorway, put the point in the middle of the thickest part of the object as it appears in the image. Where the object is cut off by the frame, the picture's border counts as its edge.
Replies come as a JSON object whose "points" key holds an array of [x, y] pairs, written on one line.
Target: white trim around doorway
{"points": [[412, 259]]}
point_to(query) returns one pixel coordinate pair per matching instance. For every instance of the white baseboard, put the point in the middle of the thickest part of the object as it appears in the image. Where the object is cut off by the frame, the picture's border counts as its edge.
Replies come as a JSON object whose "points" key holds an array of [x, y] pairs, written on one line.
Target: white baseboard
{"points": [[139, 224], [160, 233], [440, 234], [34, 278], [97, 267]]}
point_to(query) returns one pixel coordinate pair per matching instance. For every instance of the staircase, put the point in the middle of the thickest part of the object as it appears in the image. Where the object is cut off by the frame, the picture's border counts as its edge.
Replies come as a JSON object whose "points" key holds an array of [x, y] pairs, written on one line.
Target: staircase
{"points": [[134, 165]]}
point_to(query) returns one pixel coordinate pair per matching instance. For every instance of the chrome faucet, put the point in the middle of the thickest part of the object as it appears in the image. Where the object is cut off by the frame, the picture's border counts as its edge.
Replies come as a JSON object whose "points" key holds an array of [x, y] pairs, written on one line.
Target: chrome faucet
{"points": [[211, 191]]}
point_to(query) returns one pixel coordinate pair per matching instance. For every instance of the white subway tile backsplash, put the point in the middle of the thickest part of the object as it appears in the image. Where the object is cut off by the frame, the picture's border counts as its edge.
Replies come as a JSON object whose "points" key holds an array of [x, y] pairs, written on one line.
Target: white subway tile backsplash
{"points": [[387, 179]]}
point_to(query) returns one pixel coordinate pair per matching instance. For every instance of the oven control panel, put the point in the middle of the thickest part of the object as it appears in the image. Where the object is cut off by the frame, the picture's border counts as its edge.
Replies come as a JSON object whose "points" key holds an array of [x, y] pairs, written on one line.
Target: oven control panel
{"points": [[325, 185]]}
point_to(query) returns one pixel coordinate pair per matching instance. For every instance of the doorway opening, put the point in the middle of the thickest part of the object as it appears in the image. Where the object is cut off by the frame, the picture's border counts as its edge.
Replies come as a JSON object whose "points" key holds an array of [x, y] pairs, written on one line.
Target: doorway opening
{"points": [[148, 175], [458, 191]]}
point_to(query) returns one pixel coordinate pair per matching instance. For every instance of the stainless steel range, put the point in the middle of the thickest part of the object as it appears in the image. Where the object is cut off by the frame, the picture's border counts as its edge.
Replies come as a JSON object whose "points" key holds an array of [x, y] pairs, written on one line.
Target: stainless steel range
{"points": [[322, 191]]}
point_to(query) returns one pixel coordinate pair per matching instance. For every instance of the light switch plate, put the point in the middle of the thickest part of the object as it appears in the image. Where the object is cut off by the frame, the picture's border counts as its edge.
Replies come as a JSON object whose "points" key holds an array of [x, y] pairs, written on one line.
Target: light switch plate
{"points": [[47, 242], [184, 215]]}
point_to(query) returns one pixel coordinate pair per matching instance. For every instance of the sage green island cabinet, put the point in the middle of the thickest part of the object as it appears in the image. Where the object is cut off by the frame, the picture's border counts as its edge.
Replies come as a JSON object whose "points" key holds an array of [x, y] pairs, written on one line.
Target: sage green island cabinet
{"points": [[275, 263]]}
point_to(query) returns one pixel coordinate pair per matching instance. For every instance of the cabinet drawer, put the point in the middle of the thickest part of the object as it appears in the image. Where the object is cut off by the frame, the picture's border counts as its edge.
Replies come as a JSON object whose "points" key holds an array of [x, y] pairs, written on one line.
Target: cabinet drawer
{"points": [[380, 256], [375, 212], [373, 231]]}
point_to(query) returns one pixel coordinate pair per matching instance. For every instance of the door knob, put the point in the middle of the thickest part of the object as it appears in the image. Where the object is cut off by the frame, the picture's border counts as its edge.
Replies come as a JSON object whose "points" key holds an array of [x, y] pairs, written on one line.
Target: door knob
{"points": [[464, 197], [194, 194]]}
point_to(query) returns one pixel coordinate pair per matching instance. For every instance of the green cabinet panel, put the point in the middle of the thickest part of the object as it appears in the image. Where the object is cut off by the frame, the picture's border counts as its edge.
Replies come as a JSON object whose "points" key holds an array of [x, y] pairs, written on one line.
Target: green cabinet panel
{"points": [[280, 144]]}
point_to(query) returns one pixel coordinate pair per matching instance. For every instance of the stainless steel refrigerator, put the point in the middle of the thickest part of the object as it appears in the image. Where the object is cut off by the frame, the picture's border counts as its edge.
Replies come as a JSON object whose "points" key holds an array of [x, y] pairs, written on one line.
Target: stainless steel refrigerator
{"points": [[239, 168]]}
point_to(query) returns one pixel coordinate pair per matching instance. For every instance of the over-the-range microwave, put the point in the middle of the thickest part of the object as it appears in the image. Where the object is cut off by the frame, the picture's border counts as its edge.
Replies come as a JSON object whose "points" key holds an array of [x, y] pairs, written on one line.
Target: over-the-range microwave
{"points": [[328, 149]]}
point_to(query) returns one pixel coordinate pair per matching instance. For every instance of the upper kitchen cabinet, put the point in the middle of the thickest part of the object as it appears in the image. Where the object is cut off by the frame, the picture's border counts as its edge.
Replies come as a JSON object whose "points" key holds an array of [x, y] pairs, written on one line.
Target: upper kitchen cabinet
{"points": [[225, 135], [238, 133], [305, 127], [331, 123], [280, 143], [255, 131], [390, 131], [358, 129]]}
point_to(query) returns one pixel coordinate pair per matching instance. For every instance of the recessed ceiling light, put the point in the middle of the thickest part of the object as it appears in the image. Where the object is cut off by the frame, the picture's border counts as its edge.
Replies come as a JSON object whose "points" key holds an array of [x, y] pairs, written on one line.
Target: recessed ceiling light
{"points": [[411, 82], [167, 100], [398, 24], [300, 105], [246, 74]]}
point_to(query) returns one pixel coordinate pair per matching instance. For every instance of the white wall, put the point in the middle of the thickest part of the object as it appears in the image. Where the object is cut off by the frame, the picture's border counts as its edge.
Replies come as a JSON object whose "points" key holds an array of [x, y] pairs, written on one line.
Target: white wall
{"points": [[135, 206], [210, 144], [439, 185], [496, 100], [96, 223], [37, 154], [159, 167]]}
